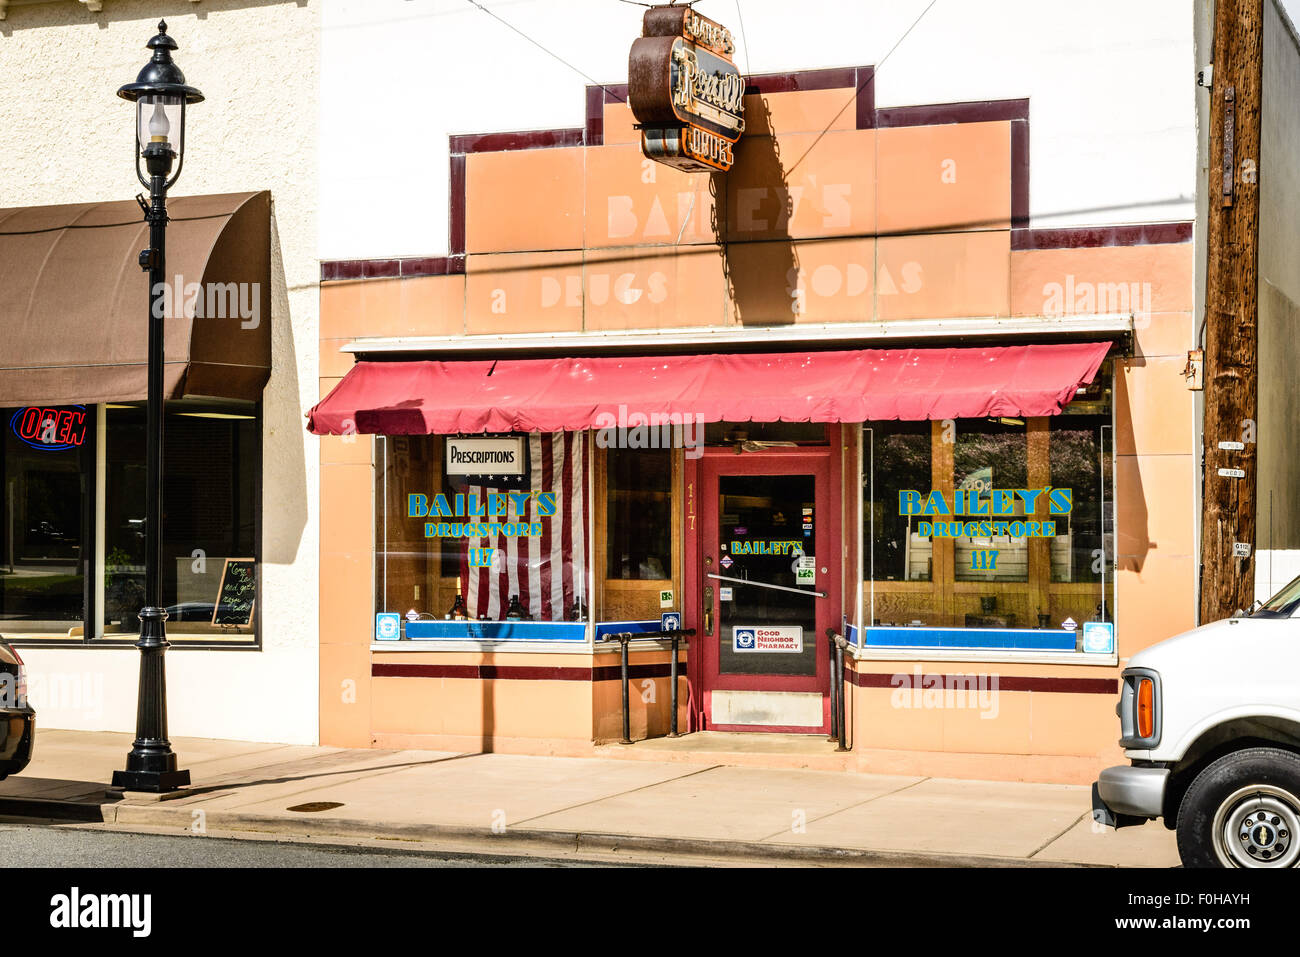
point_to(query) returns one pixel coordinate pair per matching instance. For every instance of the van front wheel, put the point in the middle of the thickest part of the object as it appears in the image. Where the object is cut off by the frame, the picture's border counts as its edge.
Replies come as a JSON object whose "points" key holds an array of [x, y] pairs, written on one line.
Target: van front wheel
{"points": [[1243, 811]]}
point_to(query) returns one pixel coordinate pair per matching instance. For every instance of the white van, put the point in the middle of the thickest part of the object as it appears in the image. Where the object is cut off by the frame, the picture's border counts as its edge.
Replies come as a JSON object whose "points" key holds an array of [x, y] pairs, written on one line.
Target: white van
{"points": [[1210, 722]]}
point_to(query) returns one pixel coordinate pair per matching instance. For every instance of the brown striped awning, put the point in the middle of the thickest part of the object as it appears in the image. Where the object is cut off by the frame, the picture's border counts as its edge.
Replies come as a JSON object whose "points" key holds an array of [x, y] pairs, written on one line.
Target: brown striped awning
{"points": [[74, 302]]}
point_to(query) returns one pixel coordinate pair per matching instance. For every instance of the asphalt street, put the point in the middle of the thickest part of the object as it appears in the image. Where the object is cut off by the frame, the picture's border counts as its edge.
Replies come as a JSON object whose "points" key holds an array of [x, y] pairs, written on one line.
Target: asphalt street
{"points": [[39, 845]]}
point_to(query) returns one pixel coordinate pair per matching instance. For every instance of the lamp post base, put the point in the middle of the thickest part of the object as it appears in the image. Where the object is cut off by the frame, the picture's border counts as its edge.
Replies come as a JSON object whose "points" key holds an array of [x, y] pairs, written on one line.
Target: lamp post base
{"points": [[151, 765], [154, 782]]}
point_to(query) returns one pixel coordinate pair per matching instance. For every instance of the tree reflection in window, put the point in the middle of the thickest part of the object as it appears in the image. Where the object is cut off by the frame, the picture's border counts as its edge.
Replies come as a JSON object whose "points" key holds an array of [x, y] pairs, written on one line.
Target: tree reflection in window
{"points": [[988, 455], [899, 455], [1075, 461]]}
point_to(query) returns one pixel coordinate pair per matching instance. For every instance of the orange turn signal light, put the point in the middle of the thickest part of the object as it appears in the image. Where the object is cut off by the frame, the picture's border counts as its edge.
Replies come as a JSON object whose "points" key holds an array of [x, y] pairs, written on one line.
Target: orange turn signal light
{"points": [[1146, 712]]}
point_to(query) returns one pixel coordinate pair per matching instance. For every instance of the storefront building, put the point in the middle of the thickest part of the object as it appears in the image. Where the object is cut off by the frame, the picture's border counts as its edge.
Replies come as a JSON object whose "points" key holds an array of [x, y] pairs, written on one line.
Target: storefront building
{"points": [[845, 386], [929, 295]]}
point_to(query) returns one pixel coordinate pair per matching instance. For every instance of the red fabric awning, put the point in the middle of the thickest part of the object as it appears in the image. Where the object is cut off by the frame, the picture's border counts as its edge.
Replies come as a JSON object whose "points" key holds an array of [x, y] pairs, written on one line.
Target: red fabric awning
{"points": [[549, 395]]}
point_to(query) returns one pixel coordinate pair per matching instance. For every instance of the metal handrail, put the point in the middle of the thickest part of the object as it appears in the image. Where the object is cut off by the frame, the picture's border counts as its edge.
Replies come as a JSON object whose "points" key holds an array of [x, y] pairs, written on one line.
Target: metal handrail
{"points": [[838, 646], [623, 637]]}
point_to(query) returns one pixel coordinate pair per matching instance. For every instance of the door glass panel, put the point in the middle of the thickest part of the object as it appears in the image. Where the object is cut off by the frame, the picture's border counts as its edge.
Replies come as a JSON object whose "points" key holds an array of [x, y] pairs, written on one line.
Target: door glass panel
{"points": [[766, 531]]}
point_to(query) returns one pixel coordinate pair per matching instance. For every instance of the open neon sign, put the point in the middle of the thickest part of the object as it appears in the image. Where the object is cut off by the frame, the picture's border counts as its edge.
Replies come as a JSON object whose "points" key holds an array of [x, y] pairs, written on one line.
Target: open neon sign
{"points": [[50, 429]]}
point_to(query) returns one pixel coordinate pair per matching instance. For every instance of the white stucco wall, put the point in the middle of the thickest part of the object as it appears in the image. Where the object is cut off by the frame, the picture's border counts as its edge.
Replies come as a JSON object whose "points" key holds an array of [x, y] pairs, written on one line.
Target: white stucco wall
{"points": [[65, 137], [1111, 86]]}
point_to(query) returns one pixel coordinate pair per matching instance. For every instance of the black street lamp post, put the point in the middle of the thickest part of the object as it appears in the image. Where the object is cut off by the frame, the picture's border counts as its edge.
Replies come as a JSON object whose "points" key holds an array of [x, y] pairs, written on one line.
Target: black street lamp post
{"points": [[160, 95]]}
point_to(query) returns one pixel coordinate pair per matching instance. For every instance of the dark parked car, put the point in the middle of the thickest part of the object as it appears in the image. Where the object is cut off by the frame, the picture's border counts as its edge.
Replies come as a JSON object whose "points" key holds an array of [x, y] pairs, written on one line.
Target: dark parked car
{"points": [[17, 719]]}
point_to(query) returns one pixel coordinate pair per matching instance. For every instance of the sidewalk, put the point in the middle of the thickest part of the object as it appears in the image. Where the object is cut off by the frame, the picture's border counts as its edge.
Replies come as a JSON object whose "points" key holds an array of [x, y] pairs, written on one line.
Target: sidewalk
{"points": [[586, 807]]}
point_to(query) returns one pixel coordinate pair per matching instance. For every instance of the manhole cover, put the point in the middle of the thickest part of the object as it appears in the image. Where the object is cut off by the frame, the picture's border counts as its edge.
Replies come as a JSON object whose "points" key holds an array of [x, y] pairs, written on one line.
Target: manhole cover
{"points": [[311, 806]]}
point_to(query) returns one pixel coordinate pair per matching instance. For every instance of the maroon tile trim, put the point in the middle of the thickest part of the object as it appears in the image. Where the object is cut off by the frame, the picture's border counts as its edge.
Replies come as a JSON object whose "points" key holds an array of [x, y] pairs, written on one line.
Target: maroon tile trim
{"points": [[385, 670], [521, 672], [1020, 173], [376, 269], [835, 78], [480, 672], [595, 115], [518, 140], [533, 673], [347, 269], [936, 114], [1005, 682], [1078, 237], [661, 670], [456, 205], [866, 102], [433, 266], [333, 269]]}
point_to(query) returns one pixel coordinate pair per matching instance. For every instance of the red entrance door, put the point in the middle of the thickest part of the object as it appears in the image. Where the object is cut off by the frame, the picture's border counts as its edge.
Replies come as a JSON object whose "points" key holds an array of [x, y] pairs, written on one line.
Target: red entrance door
{"points": [[768, 582]]}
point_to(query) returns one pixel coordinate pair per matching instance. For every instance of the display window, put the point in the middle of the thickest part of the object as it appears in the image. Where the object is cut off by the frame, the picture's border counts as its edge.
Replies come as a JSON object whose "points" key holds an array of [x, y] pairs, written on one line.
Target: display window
{"points": [[45, 500], [72, 519], [637, 530], [482, 529], [1002, 524]]}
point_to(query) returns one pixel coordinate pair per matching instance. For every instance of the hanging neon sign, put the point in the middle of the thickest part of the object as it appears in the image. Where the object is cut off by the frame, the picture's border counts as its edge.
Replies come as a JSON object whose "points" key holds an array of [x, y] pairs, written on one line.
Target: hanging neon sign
{"points": [[50, 429]]}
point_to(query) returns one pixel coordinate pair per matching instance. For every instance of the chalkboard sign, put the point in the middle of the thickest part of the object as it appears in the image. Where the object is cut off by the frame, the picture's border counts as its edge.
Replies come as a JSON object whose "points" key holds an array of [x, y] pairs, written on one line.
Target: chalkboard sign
{"points": [[237, 593]]}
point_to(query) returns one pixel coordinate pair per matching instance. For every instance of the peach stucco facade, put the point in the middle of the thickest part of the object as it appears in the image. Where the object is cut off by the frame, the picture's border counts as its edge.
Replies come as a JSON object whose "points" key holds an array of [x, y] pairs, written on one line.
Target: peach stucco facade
{"points": [[820, 222]]}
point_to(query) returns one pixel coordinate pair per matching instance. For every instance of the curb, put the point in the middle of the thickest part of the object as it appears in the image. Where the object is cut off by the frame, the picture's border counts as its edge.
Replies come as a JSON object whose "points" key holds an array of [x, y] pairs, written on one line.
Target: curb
{"points": [[56, 810], [521, 840]]}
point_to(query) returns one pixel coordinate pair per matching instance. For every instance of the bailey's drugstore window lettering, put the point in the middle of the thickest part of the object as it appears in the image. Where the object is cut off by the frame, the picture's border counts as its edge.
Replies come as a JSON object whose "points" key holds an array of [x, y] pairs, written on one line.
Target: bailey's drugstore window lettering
{"points": [[985, 521], [489, 528], [991, 524]]}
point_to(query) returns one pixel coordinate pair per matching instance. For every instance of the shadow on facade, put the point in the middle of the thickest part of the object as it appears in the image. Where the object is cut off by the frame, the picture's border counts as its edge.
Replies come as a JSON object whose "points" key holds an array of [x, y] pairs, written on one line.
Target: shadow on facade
{"points": [[762, 272]]}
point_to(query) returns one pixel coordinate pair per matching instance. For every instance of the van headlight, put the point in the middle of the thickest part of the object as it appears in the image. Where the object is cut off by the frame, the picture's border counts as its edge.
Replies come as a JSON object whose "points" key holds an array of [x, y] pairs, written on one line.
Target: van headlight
{"points": [[1139, 709]]}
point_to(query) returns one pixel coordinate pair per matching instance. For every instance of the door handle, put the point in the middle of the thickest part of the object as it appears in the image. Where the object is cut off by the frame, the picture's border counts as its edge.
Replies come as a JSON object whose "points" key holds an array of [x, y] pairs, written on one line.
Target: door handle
{"points": [[708, 609]]}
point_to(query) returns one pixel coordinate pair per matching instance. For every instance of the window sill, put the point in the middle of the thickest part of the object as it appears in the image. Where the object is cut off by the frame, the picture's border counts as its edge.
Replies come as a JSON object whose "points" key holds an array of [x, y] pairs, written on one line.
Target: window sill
{"points": [[119, 642], [989, 655], [512, 645], [407, 645]]}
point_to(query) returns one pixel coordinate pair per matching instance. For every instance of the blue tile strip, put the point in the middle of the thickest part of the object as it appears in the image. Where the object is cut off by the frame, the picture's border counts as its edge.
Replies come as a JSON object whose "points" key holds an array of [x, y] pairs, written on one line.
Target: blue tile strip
{"points": [[496, 630], [618, 627], [1030, 639]]}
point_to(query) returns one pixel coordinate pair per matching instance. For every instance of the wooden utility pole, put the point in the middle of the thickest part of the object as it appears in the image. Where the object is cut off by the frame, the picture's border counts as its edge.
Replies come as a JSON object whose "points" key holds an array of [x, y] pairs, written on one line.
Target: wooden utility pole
{"points": [[1231, 311]]}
